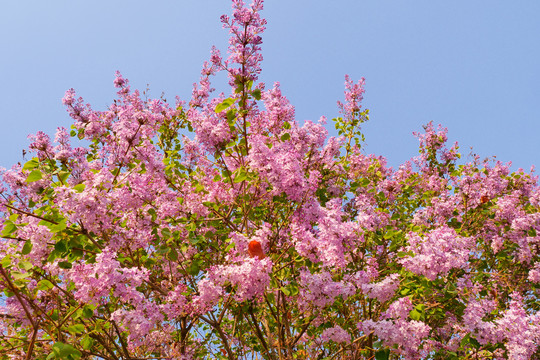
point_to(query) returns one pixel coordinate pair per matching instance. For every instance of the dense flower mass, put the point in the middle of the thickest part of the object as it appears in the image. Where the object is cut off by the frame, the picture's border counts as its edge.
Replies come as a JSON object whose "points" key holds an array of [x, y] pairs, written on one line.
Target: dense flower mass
{"points": [[222, 228], [439, 252]]}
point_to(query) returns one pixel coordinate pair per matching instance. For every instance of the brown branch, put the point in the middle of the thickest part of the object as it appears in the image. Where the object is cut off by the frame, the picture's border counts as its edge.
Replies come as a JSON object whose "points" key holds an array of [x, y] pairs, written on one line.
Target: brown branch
{"points": [[302, 332], [32, 342], [221, 334], [19, 298], [30, 214], [257, 329], [343, 348], [122, 342]]}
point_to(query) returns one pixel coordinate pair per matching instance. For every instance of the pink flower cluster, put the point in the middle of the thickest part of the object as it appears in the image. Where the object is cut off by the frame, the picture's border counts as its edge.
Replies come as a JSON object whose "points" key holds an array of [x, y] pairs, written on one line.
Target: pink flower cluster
{"points": [[383, 290], [321, 290], [354, 94], [519, 331], [245, 27], [96, 282], [249, 280], [437, 253], [396, 329], [336, 334]]}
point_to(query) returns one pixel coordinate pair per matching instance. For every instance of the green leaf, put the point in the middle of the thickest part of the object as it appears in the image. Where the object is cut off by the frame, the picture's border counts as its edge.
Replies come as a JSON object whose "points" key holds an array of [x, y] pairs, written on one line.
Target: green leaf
{"points": [[195, 239], [172, 255], [58, 227], [240, 176], [405, 291], [194, 268], [163, 250], [76, 329], [286, 125], [79, 188], [231, 116], [225, 104], [294, 289], [88, 312], [32, 164], [199, 188], [34, 176], [415, 315], [239, 87], [285, 290], [18, 276], [63, 351], [26, 265], [166, 233], [27, 247], [382, 354], [9, 228], [257, 94], [63, 175], [44, 285], [285, 137], [87, 342], [6, 261], [65, 265], [60, 246], [475, 343]]}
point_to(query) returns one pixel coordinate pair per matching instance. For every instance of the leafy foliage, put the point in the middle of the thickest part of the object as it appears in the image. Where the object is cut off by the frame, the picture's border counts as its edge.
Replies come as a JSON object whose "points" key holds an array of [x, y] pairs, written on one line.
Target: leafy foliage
{"points": [[224, 229]]}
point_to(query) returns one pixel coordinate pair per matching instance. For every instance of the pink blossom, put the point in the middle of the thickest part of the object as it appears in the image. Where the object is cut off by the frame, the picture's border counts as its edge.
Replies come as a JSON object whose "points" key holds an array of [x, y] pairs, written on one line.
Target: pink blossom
{"points": [[119, 80], [320, 290], [353, 98], [534, 273], [436, 253], [69, 97], [521, 331], [95, 282], [395, 330], [382, 290], [335, 334]]}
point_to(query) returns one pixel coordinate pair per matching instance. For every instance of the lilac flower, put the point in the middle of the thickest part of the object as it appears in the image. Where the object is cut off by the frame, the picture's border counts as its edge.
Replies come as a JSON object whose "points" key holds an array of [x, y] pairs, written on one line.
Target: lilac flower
{"points": [[382, 290], [335, 334], [436, 253]]}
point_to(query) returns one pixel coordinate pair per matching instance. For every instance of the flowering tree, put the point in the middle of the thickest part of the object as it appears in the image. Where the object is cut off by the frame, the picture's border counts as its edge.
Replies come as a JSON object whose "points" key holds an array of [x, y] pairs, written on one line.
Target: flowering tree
{"points": [[223, 229]]}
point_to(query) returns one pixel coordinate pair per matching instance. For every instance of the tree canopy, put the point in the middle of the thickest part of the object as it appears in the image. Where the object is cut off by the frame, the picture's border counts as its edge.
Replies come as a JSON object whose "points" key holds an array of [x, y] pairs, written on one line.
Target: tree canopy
{"points": [[222, 228]]}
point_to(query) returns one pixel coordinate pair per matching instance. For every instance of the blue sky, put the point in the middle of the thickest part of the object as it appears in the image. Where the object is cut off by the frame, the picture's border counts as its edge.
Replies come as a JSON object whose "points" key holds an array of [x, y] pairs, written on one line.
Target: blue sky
{"points": [[472, 65]]}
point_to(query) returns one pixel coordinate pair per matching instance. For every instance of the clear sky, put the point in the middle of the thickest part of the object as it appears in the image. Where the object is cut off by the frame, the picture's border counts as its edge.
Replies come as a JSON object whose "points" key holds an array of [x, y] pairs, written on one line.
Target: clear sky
{"points": [[471, 65]]}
